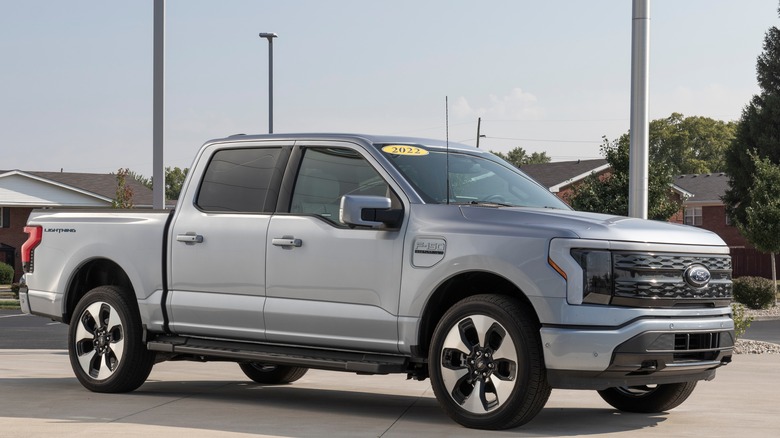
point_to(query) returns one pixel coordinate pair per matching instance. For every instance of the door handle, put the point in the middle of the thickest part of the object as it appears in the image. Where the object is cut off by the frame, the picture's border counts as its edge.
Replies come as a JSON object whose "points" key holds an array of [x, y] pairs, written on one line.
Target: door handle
{"points": [[190, 238], [287, 241]]}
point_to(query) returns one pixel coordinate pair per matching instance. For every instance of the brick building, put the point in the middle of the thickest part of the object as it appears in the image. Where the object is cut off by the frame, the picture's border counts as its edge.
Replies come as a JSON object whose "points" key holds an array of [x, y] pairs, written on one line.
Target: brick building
{"points": [[21, 192], [705, 209]]}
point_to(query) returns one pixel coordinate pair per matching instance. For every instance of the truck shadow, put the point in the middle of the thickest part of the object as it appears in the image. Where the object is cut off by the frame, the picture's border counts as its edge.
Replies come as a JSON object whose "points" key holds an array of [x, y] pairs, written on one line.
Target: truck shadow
{"points": [[287, 410]]}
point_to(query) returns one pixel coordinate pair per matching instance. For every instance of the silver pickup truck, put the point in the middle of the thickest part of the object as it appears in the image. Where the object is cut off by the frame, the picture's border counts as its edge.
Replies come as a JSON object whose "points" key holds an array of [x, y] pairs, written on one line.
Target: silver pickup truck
{"points": [[377, 255]]}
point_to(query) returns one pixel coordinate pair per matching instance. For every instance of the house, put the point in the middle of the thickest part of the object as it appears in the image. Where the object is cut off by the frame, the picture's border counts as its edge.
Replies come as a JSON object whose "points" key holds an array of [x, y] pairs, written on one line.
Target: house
{"points": [[23, 191], [562, 176], [705, 209]]}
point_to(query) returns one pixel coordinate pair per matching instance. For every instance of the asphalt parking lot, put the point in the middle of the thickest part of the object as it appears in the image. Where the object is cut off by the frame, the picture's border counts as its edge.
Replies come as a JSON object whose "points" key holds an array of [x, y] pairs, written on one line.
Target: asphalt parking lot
{"points": [[39, 397]]}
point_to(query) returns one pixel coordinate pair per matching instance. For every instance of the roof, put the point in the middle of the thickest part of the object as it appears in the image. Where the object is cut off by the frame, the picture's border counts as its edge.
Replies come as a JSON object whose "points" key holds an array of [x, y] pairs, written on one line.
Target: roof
{"points": [[559, 174], [705, 187], [98, 185]]}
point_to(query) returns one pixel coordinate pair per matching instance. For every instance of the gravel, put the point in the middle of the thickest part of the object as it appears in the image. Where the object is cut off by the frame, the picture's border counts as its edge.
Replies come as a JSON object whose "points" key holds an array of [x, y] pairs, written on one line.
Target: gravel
{"points": [[744, 346], [764, 314]]}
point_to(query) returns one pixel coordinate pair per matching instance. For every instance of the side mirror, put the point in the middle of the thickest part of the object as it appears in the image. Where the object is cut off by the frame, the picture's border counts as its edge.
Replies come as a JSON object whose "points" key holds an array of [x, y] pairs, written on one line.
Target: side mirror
{"points": [[368, 211]]}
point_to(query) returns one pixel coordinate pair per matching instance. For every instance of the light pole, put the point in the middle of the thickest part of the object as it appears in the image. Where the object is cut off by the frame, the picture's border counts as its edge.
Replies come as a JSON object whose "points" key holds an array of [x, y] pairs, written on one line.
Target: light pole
{"points": [[270, 37]]}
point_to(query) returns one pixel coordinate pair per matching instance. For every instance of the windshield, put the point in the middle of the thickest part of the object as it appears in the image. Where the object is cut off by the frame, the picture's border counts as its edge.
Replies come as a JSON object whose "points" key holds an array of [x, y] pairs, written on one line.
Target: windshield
{"points": [[473, 179]]}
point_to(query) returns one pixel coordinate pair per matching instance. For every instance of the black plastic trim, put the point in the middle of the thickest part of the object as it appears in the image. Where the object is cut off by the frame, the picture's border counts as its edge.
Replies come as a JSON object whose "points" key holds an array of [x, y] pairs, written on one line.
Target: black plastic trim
{"points": [[164, 298], [333, 360]]}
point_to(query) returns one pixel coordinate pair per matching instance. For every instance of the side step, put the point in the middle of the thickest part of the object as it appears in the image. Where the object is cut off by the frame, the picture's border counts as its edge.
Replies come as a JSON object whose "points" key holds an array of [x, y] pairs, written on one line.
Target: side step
{"points": [[206, 349]]}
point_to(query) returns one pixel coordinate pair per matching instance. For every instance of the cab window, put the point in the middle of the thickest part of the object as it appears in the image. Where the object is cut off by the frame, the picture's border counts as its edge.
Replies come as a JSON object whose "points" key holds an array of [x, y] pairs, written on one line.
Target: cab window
{"points": [[241, 181], [327, 174]]}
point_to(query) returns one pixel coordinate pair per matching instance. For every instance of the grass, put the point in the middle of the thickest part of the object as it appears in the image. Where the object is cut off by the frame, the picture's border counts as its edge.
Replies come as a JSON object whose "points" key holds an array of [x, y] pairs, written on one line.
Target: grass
{"points": [[9, 305]]}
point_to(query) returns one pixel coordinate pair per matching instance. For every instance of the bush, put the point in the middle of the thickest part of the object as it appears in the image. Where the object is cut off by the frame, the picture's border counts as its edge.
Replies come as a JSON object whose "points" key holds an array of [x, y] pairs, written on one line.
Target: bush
{"points": [[6, 274], [741, 322], [754, 292]]}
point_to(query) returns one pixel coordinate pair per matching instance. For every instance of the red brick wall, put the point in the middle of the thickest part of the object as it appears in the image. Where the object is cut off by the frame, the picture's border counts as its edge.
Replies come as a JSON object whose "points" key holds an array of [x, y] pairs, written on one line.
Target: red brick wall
{"points": [[713, 218], [14, 236]]}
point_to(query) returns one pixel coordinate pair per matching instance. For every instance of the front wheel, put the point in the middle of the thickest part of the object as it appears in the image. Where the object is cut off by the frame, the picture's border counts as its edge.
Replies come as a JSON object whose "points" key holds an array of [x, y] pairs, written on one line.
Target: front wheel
{"points": [[105, 343], [485, 363], [648, 399]]}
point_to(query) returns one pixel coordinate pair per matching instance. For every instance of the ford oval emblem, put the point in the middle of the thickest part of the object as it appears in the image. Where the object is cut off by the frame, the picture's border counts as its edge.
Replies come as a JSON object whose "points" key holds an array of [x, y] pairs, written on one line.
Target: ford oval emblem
{"points": [[697, 276]]}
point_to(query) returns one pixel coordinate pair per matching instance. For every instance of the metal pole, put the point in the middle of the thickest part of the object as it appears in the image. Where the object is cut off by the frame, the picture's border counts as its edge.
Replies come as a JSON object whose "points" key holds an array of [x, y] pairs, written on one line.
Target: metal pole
{"points": [[639, 147], [270, 37], [270, 85], [479, 123], [158, 106]]}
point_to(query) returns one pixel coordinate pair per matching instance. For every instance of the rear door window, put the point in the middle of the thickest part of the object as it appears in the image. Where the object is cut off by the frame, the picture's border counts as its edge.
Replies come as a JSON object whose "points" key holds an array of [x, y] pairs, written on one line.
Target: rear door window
{"points": [[241, 181]]}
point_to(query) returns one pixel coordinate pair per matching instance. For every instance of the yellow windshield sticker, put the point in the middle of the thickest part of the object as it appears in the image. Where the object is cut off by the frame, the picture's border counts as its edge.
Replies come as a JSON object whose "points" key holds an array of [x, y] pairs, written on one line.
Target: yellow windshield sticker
{"points": [[397, 149]]}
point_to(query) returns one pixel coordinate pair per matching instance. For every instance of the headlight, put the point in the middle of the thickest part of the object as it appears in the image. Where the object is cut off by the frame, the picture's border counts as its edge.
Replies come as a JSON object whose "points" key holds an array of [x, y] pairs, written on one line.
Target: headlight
{"points": [[596, 273]]}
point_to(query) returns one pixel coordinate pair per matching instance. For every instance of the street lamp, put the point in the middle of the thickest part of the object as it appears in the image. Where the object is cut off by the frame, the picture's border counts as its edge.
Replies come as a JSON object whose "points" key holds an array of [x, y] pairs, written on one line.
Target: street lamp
{"points": [[270, 37]]}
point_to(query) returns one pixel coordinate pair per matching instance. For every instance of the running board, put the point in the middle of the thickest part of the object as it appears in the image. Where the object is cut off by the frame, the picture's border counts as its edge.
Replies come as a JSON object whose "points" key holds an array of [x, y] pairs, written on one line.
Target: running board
{"points": [[362, 363]]}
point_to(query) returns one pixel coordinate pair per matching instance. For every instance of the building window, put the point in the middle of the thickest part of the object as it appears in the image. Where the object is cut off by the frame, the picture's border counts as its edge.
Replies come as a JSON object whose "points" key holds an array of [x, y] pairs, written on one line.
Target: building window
{"points": [[693, 216], [5, 217]]}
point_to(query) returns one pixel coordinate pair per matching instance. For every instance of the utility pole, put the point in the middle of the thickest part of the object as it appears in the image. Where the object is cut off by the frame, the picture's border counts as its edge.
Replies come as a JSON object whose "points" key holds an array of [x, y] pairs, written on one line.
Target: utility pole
{"points": [[479, 123]]}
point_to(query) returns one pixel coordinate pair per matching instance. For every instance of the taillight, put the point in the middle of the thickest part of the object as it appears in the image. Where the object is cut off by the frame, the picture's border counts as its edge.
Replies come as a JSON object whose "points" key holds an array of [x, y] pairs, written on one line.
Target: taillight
{"points": [[28, 248]]}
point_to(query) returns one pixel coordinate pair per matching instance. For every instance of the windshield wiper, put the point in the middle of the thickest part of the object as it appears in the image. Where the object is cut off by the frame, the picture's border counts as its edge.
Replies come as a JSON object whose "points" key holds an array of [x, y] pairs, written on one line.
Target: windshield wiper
{"points": [[485, 204]]}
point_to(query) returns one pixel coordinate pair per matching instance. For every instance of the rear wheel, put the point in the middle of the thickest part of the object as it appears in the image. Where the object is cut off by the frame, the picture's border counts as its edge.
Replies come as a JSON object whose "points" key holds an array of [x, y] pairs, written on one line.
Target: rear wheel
{"points": [[648, 398], [105, 344], [272, 374], [485, 363]]}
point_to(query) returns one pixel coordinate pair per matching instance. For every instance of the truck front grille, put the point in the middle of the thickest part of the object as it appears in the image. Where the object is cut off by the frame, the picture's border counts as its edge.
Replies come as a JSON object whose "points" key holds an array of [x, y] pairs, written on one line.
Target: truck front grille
{"points": [[659, 280]]}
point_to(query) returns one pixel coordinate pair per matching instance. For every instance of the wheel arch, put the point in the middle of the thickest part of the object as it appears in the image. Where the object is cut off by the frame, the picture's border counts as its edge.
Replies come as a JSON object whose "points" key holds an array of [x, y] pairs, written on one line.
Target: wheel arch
{"points": [[456, 288], [94, 273]]}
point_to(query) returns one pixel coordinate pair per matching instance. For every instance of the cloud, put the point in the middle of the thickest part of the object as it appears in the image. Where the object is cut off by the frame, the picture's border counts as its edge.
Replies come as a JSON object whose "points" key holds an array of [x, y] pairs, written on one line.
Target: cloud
{"points": [[518, 104]]}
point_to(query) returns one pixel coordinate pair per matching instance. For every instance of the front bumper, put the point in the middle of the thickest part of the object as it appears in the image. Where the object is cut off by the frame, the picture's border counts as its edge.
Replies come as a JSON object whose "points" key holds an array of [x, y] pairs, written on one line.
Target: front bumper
{"points": [[645, 351]]}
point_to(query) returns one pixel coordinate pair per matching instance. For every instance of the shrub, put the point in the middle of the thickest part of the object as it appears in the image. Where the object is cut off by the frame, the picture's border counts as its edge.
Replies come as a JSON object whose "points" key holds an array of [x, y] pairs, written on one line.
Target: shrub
{"points": [[754, 292], [741, 321], [6, 274]]}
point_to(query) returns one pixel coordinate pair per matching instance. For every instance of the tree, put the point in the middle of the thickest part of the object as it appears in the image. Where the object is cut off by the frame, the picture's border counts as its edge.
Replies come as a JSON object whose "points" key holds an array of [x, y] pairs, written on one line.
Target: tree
{"points": [[758, 132], [124, 193], [691, 144], [140, 178], [519, 157], [608, 193], [174, 180], [762, 213]]}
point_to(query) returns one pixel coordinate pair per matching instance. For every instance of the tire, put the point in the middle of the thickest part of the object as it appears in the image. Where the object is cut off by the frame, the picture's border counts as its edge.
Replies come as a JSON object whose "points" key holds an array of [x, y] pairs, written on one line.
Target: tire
{"points": [[485, 363], [105, 344], [272, 374], [648, 399]]}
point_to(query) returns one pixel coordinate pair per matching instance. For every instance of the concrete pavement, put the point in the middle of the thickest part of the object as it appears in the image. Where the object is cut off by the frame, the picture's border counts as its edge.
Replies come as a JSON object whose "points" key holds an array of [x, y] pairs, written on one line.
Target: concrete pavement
{"points": [[40, 397]]}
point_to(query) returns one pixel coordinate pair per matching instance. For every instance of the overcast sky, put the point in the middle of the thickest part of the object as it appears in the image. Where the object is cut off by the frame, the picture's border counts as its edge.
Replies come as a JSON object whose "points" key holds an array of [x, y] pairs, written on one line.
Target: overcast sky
{"points": [[550, 76]]}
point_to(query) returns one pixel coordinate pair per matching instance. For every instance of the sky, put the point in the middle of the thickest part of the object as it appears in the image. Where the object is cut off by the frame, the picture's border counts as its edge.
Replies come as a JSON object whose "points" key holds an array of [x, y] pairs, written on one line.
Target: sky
{"points": [[548, 76]]}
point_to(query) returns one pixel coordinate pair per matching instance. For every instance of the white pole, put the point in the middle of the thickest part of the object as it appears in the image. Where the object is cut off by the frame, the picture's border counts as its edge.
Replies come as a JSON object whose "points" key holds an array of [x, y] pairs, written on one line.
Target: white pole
{"points": [[639, 147], [158, 106]]}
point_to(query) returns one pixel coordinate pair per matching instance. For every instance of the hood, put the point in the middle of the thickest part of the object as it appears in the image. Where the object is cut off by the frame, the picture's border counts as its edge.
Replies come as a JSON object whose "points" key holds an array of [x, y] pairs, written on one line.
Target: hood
{"points": [[570, 223]]}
